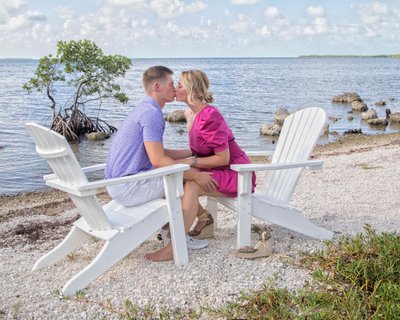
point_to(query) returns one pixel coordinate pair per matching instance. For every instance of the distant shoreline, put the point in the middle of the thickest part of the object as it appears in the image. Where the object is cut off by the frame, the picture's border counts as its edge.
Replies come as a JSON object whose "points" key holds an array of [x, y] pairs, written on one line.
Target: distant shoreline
{"points": [[397, 56]]}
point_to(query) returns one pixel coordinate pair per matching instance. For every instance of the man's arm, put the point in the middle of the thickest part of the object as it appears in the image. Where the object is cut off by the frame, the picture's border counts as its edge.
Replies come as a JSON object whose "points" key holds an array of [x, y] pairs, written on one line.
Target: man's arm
{"points": [[157, 154], [158, 158], [178, 153]]}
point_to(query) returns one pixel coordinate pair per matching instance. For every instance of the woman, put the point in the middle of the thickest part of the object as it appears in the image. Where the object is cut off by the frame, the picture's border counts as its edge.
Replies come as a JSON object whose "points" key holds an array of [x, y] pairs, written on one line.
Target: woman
{"points": [[213, 145]]}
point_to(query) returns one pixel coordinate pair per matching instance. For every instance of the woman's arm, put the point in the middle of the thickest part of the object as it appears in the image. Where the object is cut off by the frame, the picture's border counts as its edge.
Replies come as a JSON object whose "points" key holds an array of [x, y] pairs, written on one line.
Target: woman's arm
{"points": [[219, 159]]}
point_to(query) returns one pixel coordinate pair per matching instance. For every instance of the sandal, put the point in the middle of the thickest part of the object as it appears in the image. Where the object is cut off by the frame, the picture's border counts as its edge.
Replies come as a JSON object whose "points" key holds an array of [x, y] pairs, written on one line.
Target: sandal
{"points": [[207, 231], [262, 249]]}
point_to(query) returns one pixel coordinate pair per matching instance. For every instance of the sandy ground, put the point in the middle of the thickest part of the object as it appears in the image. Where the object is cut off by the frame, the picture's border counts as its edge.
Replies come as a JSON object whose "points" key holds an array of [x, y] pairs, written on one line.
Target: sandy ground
{"points": [[359, 184]]}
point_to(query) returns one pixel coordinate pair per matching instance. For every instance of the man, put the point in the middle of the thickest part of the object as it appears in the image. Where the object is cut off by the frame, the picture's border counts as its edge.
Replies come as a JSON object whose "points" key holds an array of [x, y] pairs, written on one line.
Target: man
{"points": [[138, 147]]}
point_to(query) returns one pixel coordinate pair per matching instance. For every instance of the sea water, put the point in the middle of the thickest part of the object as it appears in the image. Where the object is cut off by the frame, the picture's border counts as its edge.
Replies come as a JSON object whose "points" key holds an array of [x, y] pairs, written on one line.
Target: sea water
{"points": [[247, 91]]}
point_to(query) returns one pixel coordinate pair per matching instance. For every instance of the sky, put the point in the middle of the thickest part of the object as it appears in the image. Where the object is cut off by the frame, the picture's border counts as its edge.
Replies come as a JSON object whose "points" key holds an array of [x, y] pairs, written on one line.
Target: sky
{"points": [[202, 28]]}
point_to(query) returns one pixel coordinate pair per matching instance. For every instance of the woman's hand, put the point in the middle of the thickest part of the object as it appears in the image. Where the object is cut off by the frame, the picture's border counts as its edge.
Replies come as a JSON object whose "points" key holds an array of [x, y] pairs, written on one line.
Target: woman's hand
{"points": [[207, 182]]}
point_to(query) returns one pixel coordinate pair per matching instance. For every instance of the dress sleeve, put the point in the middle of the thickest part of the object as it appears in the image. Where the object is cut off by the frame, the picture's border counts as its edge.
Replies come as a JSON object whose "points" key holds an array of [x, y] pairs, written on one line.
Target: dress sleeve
{"points": [[214, 131]]}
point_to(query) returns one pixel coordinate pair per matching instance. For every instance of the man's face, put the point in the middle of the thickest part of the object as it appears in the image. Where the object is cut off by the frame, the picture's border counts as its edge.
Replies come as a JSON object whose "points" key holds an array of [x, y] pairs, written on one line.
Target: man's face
{"points": [[166, 89]]}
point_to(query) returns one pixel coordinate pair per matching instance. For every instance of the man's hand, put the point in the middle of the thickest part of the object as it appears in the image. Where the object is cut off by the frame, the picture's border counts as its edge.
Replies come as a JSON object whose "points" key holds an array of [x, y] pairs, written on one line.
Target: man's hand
{"points": [[206, 181]]}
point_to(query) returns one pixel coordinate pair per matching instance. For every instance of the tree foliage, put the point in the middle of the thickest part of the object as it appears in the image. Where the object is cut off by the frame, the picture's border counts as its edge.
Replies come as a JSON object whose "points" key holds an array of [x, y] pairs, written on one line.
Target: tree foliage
{"points": [[91, 74]]}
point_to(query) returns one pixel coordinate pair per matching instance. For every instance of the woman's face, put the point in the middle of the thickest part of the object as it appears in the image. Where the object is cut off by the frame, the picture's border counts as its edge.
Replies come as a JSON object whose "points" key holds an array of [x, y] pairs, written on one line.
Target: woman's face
{"points": [[181, 93]]}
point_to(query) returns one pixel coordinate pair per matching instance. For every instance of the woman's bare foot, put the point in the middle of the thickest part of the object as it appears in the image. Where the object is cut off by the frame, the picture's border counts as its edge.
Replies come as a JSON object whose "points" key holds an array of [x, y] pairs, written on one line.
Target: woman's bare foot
{"points": [[164, 254]]}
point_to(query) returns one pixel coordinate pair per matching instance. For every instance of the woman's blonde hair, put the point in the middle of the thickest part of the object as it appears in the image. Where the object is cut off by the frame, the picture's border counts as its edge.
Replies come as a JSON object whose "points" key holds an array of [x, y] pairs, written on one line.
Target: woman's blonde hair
{"points": [[196, 83]]}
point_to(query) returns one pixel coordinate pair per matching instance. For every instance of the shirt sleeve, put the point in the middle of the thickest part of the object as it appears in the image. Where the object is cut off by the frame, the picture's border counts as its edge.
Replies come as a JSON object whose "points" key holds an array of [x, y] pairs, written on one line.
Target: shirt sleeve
{"points": [[214, 131], [152, 127]]}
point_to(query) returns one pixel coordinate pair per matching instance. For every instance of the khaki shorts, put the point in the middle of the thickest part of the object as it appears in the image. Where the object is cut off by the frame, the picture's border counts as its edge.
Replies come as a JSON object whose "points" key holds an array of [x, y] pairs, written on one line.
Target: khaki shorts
{"points": [[137, 192]]}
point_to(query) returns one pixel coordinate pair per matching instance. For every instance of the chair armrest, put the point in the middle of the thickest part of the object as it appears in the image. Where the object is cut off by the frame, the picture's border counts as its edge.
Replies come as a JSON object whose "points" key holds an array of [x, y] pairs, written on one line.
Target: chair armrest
{"points": [[312, 164], [140, 176], [95, 167], [259, 153]]}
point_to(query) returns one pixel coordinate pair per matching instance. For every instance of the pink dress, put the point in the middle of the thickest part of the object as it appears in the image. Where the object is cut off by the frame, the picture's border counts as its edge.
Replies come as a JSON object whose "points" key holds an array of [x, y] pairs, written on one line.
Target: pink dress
{"points": [[209, 134]]}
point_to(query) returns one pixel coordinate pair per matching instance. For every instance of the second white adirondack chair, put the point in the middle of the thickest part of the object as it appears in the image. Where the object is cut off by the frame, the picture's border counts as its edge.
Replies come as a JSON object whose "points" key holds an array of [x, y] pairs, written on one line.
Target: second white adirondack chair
{"points": [[122, 228], [299, 135]]}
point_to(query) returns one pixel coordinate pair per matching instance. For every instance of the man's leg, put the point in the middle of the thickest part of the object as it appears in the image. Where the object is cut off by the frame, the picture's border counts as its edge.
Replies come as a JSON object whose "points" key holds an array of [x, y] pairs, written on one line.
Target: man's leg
{"points": [[138, 192]]}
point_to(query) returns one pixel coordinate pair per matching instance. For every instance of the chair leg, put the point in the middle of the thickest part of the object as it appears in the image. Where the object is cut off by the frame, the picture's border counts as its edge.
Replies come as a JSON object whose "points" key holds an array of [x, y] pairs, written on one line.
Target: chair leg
{"points": [[244, 209], [111, 253], [243, 229], [73, 240], [291, 218], [212, 208]]}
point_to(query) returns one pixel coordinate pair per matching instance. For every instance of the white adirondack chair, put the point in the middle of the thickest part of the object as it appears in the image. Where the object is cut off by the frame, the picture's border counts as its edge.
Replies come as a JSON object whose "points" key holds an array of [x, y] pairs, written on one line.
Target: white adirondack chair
{"points": [[122, 228], [299, 135]]}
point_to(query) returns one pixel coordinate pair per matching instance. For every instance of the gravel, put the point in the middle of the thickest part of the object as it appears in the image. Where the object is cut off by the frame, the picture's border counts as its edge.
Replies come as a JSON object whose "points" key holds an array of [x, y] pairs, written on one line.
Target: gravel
{"points": [[352, 190]]}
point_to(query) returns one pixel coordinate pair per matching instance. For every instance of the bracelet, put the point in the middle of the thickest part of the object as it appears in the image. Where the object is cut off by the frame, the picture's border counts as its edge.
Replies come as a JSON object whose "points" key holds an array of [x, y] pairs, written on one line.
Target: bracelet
{"points": [[194, 162]]}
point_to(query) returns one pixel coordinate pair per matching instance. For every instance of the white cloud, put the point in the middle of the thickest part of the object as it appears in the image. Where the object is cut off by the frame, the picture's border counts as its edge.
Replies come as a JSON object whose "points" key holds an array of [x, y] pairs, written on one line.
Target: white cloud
{"points": [[11, 5], [126, 2], [380, 20], [317, 11], [275, 18], [196, 6], [167, 9], [243, 24], [205, 21], [64, 12], [244, 2], [376, 12], [9, 8], [318, 26], [272, 12], [17, 22], [264, 31]]}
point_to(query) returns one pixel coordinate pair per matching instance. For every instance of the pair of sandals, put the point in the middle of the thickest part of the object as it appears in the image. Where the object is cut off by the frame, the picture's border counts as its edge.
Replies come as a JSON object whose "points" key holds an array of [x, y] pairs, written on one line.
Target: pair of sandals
{"points": [[262, 249]]}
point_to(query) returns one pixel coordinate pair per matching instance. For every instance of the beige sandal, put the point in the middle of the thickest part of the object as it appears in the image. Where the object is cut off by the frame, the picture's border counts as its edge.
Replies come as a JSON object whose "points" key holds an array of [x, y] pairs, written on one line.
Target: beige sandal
{"points": [[262, 249], [208, 230]]}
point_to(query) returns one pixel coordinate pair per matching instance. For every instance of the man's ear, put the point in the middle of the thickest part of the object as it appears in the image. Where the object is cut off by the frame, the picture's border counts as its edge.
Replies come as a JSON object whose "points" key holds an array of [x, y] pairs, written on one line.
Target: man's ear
{"points": [[156, 86]]}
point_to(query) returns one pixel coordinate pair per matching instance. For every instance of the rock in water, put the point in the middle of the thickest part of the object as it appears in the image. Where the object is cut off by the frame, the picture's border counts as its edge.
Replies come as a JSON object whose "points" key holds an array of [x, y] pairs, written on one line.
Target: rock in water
{"points": [[395, 117], [270, 129], [378, 122], [281, 115], [370, 114], [347, 97], [359, 106], [98, 135], [353, 131], [176, 116]]}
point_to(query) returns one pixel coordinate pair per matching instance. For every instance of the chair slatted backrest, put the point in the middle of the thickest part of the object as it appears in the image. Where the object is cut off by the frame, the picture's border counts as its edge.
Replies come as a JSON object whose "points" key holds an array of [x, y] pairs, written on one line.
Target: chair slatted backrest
{"points": [[55, 149], [299, 135]]}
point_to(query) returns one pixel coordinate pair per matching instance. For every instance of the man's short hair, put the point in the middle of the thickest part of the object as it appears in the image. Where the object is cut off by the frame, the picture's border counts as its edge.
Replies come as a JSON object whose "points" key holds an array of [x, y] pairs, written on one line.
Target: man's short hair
{"points": [[153, 74]]}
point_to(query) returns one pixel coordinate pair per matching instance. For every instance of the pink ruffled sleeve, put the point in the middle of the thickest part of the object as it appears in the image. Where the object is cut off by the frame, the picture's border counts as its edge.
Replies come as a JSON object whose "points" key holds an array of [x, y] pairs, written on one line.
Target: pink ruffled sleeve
{"points": [[214, 130]]}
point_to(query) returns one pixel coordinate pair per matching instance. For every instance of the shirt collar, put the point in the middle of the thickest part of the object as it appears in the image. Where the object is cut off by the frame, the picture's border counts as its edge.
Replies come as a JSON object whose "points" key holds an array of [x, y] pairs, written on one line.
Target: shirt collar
{"points": [[152, 102]]}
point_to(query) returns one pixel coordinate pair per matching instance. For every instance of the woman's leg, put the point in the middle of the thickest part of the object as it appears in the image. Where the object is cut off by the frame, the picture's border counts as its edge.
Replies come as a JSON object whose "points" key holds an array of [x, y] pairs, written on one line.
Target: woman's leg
{"points": [[190, 206]]}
